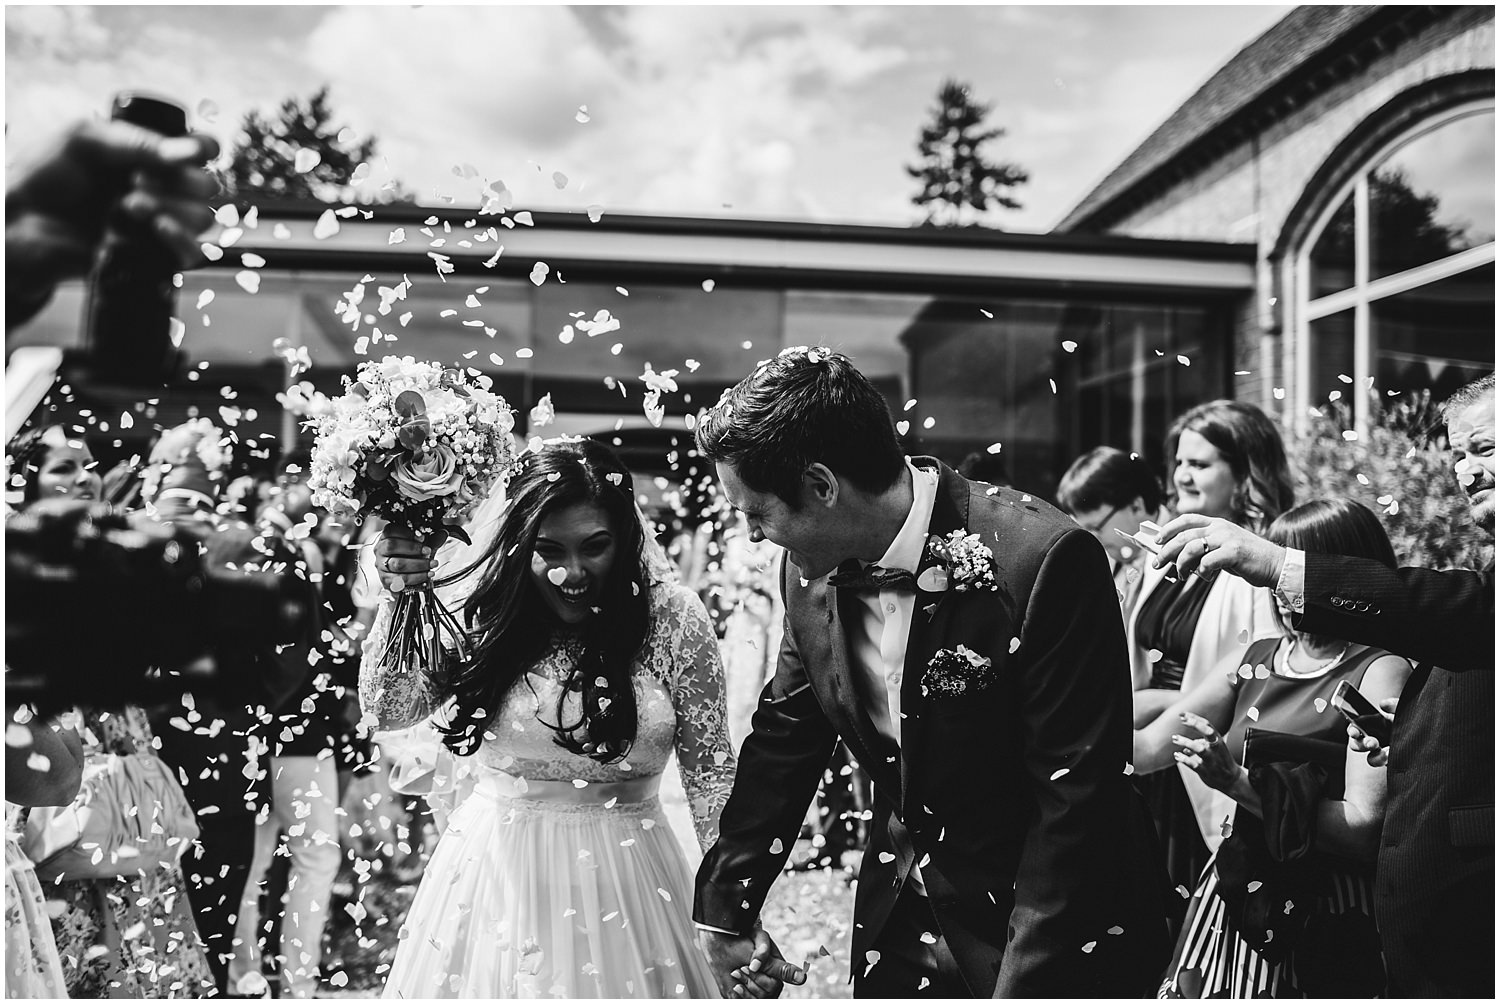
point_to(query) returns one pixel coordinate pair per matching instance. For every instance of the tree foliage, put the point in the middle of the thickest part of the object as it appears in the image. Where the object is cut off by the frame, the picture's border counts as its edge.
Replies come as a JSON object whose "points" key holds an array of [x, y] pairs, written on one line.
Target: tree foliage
{"points": [[265, 163], [1401, 469], [958, 181]]}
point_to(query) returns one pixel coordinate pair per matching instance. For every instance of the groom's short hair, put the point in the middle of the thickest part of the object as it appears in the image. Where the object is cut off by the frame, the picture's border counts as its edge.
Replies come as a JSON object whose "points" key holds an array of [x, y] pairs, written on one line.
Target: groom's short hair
{"points": [[804, 407]]}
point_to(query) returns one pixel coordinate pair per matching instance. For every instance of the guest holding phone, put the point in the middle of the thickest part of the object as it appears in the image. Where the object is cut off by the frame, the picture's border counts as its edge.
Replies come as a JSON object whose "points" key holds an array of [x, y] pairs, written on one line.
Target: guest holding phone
{"points": [[1285, 907]]}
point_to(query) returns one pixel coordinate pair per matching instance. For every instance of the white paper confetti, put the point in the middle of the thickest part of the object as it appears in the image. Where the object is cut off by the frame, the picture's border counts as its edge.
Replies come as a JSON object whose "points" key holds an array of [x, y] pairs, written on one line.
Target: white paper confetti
{"points": [[326, 227]]}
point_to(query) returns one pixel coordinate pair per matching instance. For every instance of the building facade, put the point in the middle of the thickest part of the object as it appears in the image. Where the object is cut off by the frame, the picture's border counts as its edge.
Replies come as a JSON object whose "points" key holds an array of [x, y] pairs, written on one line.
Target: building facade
{"points": [[1355, 148]]}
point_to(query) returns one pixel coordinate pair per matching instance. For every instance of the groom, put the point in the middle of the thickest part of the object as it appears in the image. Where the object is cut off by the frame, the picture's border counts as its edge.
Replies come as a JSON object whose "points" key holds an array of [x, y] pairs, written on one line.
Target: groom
{"points": [[977, 670]]}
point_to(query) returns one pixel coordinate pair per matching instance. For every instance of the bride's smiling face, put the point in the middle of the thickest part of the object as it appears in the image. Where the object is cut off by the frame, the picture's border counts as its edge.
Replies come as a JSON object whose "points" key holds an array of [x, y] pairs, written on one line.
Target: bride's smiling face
{"points": [[574, 552]]}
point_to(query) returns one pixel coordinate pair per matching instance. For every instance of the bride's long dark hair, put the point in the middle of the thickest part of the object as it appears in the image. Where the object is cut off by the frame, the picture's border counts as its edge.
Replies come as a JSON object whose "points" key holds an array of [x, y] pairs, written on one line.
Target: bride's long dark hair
{"points": [[511, 624]]}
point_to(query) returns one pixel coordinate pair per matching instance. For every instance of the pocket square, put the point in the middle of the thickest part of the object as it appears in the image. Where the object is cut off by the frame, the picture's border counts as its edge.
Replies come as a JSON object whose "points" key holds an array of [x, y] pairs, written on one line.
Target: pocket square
{"points": [[956, 672]]}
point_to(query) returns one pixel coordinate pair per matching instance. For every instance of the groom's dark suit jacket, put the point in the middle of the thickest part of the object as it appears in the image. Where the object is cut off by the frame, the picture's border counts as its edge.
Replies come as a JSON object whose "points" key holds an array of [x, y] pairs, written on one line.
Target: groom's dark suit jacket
{"points": [[1039, 860]]}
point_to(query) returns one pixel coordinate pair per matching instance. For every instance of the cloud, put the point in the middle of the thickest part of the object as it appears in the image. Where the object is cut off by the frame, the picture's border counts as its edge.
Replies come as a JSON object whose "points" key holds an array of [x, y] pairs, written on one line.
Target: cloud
{"points": [[768, 111]]}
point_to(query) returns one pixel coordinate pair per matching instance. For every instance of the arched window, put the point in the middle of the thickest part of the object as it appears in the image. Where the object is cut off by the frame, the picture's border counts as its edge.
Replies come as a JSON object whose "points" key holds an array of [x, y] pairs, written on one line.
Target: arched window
{"points": [[1395, 284]]}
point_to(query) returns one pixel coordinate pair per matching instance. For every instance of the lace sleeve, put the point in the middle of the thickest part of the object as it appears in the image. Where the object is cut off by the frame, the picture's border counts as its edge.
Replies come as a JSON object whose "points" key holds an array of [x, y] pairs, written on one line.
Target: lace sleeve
{"points": [[396, 698], [704, 754]]}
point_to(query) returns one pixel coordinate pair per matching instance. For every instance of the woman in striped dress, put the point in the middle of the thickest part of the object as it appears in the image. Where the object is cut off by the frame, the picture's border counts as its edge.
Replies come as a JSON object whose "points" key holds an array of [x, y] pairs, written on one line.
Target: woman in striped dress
{"points": [[1285, 909]]}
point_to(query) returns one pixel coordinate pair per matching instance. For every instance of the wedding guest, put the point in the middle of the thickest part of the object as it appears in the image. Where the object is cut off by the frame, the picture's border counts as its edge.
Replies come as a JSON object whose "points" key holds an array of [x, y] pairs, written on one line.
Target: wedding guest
{"points": [[590, 666], [58, 204], [130, 936], [1229, 462], [227, 779], [302, 740], [1435, 876], [976, 669], [45, 769], [1285, 907], [1109, 492]]}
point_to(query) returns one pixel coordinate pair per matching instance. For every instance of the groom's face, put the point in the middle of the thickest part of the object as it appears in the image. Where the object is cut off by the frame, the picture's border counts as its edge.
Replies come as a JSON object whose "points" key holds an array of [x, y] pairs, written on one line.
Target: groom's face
{"points": [[806, 533]]}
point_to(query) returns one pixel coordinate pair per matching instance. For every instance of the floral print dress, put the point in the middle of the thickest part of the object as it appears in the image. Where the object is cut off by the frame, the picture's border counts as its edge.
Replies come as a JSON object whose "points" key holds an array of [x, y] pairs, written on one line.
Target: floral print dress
{"points": [[126, 937]]}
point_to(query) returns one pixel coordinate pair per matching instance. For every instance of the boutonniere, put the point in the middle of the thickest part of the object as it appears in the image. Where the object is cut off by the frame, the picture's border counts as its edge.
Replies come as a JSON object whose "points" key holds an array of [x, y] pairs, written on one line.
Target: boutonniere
{"points": [[954, 672], [960, 562]]}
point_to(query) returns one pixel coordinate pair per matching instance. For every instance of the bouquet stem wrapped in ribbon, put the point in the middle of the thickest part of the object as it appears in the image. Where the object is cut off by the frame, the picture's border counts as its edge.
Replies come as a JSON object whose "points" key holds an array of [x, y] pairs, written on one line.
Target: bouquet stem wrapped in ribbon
{"points": [[419, 445]]}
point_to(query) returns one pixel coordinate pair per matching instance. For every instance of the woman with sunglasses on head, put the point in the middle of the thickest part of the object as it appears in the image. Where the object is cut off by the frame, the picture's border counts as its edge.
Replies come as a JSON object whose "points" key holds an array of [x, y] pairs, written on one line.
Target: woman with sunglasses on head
{"points": [[589, 667]]}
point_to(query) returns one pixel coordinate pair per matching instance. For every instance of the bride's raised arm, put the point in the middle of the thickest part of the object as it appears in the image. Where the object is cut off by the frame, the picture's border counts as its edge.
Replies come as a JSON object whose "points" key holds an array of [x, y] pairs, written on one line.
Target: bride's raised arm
{"points": [[704, 756], [397, 697], [400, 699]]}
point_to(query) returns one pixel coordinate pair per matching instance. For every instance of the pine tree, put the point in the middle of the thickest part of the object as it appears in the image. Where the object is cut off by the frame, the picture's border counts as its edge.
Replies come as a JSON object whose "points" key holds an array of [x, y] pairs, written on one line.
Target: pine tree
{"points": [[957, 180], [265, 163]]}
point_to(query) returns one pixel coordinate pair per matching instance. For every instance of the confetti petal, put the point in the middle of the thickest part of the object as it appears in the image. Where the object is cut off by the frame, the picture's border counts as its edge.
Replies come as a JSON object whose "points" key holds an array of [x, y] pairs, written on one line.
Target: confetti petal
{"points": [[306, 160]]}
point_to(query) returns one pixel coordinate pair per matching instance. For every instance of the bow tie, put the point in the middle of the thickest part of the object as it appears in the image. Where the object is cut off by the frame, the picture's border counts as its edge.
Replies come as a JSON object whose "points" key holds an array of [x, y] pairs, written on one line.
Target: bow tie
{"points": [[874, 578]]}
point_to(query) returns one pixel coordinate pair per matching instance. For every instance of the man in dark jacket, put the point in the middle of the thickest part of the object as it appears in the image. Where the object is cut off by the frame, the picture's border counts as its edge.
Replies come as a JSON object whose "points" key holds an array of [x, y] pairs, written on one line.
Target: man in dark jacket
{"points": [[978, 673], [1435, 876]]}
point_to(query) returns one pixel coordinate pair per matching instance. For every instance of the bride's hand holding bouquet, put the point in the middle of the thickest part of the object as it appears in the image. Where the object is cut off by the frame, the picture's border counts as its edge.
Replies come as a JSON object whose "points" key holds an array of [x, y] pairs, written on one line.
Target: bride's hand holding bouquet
{"points": [[421, 446]]}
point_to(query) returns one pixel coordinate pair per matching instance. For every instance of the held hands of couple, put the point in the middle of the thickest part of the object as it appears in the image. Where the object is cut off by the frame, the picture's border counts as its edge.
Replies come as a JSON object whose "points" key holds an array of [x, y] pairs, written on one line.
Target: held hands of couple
{"points": [[1209, 544], [400, 561], [746, 966]]}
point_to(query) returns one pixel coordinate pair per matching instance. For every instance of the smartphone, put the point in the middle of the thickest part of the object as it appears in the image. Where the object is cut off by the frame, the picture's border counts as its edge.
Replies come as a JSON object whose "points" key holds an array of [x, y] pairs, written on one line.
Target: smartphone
{"points": [[1357, 708]]}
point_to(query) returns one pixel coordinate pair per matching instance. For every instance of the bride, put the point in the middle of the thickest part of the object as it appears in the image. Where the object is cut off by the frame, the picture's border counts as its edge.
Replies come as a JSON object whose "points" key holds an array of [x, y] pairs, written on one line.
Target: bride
{"points": [[559, 875]]}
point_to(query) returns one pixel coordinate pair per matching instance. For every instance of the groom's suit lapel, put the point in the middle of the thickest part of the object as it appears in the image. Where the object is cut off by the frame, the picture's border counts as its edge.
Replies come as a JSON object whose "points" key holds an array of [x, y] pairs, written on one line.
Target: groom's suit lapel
{"points": [[930, 620]]}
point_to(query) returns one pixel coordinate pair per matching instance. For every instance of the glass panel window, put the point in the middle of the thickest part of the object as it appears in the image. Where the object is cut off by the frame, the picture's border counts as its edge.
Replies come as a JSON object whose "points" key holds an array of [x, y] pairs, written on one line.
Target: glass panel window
{"points": [[1013, 379], [657, 324], [1439, 336], [1332, 258], [1332, 358], [866, 327], [1434, 197], [485, 317]]}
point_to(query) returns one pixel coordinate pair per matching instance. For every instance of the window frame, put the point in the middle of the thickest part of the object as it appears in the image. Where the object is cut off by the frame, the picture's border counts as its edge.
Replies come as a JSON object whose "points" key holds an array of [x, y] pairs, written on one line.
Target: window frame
{"points": [[1306, 308]]}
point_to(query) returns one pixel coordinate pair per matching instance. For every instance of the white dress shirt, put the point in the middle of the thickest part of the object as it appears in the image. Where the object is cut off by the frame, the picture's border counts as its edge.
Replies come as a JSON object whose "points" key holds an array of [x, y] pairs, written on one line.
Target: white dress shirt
{"points": [[1291, 584], [878, 641]]}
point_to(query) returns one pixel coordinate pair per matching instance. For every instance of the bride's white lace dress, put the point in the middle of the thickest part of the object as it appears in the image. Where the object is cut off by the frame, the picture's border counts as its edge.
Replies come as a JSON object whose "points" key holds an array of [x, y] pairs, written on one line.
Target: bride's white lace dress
{"points": [[559, 876]]}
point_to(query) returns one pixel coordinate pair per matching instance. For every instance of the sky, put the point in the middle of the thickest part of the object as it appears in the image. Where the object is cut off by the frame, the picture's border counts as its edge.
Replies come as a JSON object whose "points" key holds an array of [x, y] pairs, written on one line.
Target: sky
{"points": [[802, 113]]}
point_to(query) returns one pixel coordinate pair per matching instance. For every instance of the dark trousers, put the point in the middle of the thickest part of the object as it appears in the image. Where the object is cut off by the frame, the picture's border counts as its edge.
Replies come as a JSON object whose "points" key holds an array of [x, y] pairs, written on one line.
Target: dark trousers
{"points": [[217, 870], [907, 958]]}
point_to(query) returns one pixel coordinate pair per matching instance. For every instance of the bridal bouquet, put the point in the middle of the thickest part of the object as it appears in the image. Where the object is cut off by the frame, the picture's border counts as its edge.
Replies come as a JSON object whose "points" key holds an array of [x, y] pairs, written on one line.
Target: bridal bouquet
{"points": [[420, 446]]}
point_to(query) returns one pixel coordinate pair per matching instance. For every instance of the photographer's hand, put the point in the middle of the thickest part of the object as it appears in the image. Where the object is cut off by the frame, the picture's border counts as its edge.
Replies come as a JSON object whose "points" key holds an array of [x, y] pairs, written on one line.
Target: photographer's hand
{"points": [[58, 208], [401, 561]]}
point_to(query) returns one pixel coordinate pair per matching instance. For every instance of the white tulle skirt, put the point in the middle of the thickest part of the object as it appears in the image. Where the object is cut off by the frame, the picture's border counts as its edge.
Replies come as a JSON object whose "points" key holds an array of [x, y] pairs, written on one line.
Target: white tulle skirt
{"points": [[540, 889]]}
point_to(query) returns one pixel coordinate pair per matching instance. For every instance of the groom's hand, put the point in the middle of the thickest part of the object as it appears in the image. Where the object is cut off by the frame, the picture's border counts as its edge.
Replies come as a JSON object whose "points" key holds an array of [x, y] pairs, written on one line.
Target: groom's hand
{"points": [[746, 966]]}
